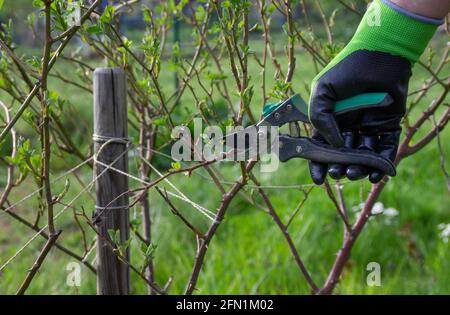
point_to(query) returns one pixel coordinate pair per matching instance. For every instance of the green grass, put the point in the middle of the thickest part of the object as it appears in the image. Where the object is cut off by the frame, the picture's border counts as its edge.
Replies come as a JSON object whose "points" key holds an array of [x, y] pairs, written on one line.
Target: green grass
{"points": [[248, 253]]}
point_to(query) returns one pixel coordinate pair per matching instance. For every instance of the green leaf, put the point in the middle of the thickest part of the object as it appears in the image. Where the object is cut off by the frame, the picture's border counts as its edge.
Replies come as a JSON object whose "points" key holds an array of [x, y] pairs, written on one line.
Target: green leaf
{"points": [[38, 4], [1, 3], [34, 62], [176, 51], [26, 145], [226, 4], [147, 14], [53, 95], [214, 29], [65, 190], [216, 77], [179, 7], [94, 29], [150, 249], [271, 8], [35, 161], [113, 235], [160, 121], [108, 14], [135, 223], [176, 165], [200, 13], [127, 243], [143, 247]]}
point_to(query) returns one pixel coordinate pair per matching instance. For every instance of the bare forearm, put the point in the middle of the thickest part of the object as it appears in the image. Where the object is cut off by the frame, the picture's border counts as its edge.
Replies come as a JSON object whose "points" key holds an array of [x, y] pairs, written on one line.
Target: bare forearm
{"points": [[437, 9]]}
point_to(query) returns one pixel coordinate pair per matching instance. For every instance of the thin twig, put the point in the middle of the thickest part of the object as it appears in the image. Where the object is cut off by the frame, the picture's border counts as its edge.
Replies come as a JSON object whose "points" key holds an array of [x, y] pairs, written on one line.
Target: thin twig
{"points": [[287, 236], [178, 214], [203, 244], [37, 264]]}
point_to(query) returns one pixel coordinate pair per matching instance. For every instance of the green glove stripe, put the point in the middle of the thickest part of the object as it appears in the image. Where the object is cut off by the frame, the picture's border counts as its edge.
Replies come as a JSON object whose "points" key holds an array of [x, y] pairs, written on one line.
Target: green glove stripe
{"points": [[361, 100]]}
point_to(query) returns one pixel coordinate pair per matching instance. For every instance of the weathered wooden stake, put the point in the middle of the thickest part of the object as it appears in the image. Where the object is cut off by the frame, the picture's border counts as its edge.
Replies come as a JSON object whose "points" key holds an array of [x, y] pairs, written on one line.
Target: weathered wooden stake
{"points": [[110, 134]]}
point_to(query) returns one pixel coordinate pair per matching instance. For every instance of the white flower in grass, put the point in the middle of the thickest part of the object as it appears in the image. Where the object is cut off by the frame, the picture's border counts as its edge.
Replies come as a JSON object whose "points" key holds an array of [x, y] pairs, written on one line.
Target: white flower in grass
{"points": [[445, 231], [389, 215], [390, 212], [378, 208]]}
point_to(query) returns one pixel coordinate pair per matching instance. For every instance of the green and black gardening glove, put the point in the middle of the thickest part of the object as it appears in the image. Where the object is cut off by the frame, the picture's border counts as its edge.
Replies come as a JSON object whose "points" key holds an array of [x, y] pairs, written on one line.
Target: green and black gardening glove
{"points": [[372, 72]]}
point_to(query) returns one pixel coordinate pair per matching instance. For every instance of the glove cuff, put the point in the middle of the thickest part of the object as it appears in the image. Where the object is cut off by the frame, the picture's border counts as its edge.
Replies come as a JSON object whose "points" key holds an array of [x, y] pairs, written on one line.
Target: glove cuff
{"points": [[413, 15], [389, 28]]}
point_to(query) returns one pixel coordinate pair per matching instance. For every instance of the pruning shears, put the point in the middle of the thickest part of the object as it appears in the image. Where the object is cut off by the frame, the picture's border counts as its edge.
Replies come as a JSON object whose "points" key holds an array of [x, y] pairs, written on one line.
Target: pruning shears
{"points": [[294, 145]]}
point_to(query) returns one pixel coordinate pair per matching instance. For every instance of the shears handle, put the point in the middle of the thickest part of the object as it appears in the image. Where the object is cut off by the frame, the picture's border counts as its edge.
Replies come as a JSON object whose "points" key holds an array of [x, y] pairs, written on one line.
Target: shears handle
{"points": [[295, 108], [310, 149]]}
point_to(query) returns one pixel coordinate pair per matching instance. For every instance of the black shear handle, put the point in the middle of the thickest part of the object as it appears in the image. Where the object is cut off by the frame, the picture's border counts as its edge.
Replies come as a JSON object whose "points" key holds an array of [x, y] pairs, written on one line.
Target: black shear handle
{"points": [[306, 148]]}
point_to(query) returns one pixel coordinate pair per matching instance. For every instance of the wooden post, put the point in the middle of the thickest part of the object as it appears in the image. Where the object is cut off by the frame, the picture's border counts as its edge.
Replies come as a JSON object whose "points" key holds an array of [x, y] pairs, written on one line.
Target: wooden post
{"points": [[110, 139]]}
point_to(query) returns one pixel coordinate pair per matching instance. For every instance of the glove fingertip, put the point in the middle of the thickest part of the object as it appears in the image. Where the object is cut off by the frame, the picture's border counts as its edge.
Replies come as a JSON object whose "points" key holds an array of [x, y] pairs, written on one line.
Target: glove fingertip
{"points": [[318, 172], [375, 177], [355, 172], [336, 171]]}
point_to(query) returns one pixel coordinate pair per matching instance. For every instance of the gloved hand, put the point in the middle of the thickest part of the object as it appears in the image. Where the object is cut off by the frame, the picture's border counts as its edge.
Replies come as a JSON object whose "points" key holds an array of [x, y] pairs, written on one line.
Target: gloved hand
{"points": [[388, 41]]}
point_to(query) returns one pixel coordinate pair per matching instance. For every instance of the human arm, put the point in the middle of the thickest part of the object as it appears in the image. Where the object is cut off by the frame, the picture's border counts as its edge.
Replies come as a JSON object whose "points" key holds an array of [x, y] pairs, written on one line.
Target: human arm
{"points": [[436, 9]]}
